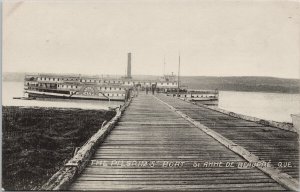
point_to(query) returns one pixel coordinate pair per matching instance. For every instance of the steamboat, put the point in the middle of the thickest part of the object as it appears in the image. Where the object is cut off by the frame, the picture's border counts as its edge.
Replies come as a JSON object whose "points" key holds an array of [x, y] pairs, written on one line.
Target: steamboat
{"points": [[76, 86], [89, 87], [205, 97]]}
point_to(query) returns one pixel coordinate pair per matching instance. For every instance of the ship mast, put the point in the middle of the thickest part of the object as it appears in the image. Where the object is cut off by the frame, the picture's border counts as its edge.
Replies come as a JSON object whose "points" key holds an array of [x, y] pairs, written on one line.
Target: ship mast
{"points": [[164, 65], [178, 75]]}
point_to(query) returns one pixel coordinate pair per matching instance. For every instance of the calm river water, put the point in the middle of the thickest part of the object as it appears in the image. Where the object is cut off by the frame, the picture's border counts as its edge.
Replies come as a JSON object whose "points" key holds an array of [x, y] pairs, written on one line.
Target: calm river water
{"points": [[270, 106]]}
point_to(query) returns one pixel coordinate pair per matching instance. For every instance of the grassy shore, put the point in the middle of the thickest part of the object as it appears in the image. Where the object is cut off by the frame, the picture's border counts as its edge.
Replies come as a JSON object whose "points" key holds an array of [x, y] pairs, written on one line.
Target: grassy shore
{"points": [[38, 141]]}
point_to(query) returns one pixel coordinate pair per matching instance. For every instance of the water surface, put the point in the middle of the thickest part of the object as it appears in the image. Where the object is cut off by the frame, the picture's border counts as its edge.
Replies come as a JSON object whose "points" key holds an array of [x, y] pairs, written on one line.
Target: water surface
{"points": [[270, 106]]}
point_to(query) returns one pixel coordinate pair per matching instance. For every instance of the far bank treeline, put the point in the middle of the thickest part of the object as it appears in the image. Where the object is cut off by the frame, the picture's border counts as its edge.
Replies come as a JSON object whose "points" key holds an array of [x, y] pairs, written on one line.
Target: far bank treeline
{"points": [[234, 83], [244, 83]]}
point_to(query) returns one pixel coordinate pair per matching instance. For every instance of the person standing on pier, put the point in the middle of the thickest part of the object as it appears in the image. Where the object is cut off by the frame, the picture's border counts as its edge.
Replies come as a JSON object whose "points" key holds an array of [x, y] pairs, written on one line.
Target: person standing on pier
{"points": [[153, 88], [147, 89]]}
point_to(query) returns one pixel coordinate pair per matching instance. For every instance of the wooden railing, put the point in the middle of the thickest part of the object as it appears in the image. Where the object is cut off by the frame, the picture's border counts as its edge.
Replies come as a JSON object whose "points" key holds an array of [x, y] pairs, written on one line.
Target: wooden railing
{"points": [[63, 178]]}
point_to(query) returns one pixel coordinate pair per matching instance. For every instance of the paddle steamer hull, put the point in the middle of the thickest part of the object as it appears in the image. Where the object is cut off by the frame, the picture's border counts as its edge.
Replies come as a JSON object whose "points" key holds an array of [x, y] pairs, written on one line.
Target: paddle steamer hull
{"points": [[214, 102], [36, 94]]}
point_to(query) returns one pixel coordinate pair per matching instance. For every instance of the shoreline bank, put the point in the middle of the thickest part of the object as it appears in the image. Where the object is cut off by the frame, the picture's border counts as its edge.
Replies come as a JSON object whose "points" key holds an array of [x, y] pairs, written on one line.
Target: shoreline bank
{"points": [[37, 141]]}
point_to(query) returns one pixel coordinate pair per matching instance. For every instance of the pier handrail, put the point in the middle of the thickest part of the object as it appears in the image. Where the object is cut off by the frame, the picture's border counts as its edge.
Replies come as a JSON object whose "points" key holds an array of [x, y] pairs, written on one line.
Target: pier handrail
{"points": [[62, 178]]}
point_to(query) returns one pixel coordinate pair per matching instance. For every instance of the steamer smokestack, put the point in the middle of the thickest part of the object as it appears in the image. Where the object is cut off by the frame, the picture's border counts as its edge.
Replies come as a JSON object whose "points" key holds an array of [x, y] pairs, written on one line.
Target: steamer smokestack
{"points": [[129, 66]]}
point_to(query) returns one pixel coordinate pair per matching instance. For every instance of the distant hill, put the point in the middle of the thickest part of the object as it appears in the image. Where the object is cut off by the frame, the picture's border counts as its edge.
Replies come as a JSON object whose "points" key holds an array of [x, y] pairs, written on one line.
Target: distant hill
{"points": [[243, 83], [13, 76], [234, 83]]}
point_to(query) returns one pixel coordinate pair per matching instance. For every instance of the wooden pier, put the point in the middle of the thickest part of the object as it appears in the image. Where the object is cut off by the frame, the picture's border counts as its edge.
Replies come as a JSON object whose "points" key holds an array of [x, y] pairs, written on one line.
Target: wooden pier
{"points": [[163, 143]]}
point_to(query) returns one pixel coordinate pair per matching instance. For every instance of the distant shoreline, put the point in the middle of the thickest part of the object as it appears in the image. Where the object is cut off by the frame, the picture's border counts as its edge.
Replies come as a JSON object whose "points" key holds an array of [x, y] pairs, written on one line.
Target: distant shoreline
{"points": [[261, 92]]}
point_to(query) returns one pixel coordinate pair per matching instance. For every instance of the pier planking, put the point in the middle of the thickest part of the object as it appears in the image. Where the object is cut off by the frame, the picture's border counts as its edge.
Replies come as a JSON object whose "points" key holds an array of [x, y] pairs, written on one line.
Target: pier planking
{"points": [[268, 143], [150, 131]]}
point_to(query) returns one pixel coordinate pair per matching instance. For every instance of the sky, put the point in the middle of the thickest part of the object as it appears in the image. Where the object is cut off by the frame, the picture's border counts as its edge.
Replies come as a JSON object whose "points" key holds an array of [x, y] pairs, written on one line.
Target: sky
{"points": [[213, 38]]}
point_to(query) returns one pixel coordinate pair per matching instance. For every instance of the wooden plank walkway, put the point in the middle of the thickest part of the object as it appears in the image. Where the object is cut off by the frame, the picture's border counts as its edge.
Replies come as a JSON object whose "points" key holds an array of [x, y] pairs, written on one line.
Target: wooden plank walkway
{"points": [[268, 143], [153, 148]]}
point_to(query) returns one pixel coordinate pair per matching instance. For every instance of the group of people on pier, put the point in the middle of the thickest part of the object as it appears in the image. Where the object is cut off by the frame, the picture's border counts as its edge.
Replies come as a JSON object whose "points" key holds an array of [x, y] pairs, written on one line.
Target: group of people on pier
{"points": [[152, 89]]}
